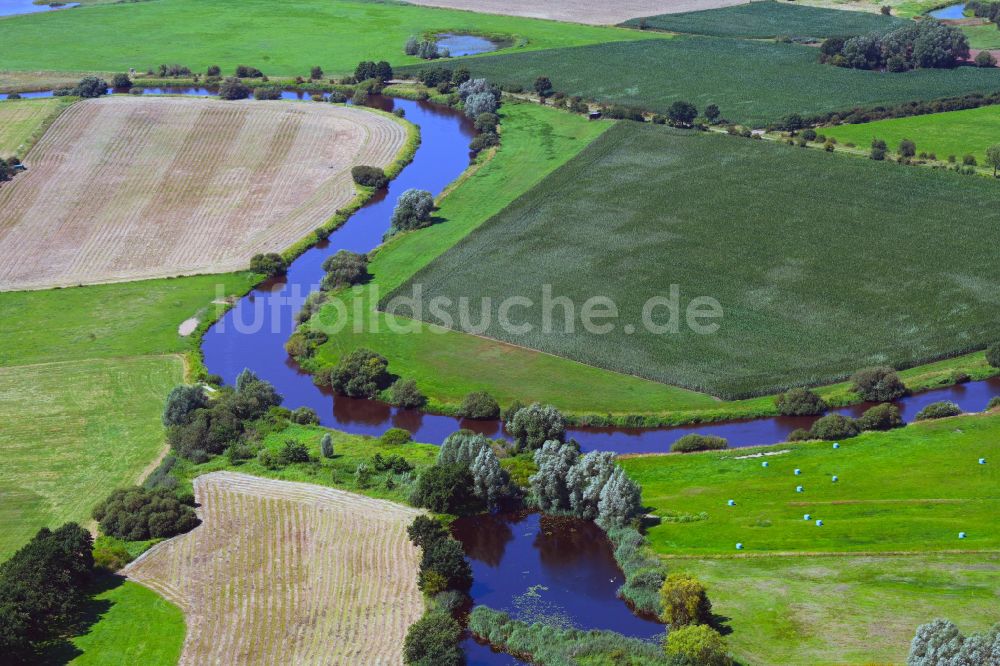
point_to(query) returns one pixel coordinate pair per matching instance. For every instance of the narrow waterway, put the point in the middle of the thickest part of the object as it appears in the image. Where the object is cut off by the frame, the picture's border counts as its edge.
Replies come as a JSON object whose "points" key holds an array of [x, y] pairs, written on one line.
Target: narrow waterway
{"points": [[14, 7]]}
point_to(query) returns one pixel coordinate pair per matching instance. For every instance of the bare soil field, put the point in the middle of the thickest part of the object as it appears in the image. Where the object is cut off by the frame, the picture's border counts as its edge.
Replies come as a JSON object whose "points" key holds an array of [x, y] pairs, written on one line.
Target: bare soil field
{"points": [[282, 572], [594, 12], [124, 188]]}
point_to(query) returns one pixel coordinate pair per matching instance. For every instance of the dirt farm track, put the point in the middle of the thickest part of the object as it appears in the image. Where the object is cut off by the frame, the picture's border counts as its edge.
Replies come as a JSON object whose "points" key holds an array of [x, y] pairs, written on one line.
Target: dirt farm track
{"points": [[288, 573], [596, 12], [125, 188]]}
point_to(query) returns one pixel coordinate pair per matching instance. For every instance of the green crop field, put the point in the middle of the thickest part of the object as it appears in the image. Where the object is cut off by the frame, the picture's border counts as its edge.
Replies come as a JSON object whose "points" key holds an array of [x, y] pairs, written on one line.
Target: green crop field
{"points": [[131, 625], [957, 133], [23, 120], [280, 38], [73, 431], [889, 537], [751, 81], [101, 321], [832, 270], [771, 19]]}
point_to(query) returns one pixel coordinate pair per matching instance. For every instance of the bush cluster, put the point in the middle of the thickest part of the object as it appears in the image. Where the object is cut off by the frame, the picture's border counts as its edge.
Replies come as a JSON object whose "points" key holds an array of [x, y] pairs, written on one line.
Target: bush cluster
{"points": [[344, 269], [800, 401], [138, 514], [695, 442], [479, 405], [918, 45], [360, 374], [938, 410], [879, 384]]}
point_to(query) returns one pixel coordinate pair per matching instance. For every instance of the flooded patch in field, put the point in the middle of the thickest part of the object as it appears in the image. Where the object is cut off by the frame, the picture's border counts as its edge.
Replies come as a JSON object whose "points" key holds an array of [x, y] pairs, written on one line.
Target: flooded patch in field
{"points": [[462, 45]]}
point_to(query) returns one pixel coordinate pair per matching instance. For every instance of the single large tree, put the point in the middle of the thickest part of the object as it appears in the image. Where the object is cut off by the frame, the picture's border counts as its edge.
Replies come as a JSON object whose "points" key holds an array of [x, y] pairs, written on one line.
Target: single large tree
{"points": [[555, 459], [993, 158]]}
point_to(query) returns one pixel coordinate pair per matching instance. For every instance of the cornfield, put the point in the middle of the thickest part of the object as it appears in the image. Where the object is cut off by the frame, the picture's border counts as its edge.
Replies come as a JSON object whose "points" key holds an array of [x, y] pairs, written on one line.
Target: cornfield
{"points": [[282, 572], [125, 188]]}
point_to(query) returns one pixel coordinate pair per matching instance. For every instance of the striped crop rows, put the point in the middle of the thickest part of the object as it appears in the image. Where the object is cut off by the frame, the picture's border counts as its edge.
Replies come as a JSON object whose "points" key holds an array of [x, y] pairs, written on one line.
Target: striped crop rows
{"points": [[123, 188], [282, 572]]}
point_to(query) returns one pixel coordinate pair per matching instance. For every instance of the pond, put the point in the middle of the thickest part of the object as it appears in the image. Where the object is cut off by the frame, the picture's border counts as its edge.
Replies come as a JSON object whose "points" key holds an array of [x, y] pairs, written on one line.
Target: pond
{"points": [[949, 12], [12, 7], [463, 45], [555, 569]]}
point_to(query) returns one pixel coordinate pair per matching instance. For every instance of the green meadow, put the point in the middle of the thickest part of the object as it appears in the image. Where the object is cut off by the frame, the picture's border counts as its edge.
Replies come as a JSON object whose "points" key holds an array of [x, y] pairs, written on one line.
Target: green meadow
{"points": [[22, 122], [281, 38], [956, 133], [753, 82], [761, 20], [820, 283]]}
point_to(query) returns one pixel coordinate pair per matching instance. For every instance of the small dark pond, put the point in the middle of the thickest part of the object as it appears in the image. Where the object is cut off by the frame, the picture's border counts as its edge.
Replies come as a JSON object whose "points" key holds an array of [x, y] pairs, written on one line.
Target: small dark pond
{"points": [[12, 7], [546, 568], [463, 45]]}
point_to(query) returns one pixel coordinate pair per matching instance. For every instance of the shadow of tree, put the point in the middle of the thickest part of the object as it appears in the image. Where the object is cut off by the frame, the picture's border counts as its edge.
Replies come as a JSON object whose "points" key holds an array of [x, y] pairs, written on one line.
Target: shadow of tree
{"points": [[62, 651]]}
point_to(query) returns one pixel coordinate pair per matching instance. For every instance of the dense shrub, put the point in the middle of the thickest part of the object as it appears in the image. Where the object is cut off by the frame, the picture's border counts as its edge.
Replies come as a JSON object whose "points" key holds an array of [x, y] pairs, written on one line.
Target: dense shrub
{"points": [[232, 89], [247, 72], [461, 447], [695, 442], [369, 176], [993, 355], [800, 435], [269, 264], [293, 451], [304, 416], [446, 489], [267, 93], [368, 70], [938, 410], [396, 437], [881, 417], [479, 405], [700, 644], [800, 402], [684, 601], [90, 87], [923, 44], [213, 70], [434, 639], [835, 426], [534, 425], [483, 141], [479, 103], [880, 384], [303, 343], [344, 269], [618, 112], [136, 514], [940, 643], [681, 114], [337, 97], [121, 81], [413, 211], [985, 59], [181, 402], [110, 554], [360, 374], [404, 393], [487, 122]]}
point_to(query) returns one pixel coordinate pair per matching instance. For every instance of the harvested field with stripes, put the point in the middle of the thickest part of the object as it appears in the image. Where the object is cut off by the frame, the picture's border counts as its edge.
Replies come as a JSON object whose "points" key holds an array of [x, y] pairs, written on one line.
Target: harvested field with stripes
{"points": [[595, 12], [124, 188], [282, 572]]}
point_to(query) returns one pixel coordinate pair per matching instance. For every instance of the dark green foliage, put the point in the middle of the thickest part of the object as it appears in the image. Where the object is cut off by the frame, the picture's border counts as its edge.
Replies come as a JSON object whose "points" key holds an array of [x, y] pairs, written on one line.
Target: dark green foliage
{"points": [[993, 355], [695, 442], [267, 93], [173, 71], [121, 81], [543, 87], [425, 530], [619, 112], [446, 558], [915, 45], [304, 416], [681, 113], [404, 393], [42, 589], [369, 176], [396, 437], [799, 435], [161, 476], [712, 113], [985, 59], [181, 402], [484, 140], [303, 343], [878, 150], [392, 463], [433, 641], [232, 89], [269, 264], [879, 384], [884, 416], [337, 97], [293, 451], [412, 211], [367, 70], [137, 514], [479, 405], [213, 70], [91, 86], [344, 269], [835, 426], [907, 148], [487, 122], [762, 20], [445, 489], [247, 72], [360, 374], [316, 73], [799, 402], [110, 554], [536, 424], [938, 410]]}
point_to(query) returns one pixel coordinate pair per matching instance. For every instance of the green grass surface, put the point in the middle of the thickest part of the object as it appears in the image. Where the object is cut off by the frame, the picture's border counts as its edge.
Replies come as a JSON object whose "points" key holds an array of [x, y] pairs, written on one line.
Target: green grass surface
{"points": [[132, 625], [771, 19], [73, 432], [281, 38], [752, 82], [825, 278], [983, 36], [100, 321], [338, 472], [889, 538], [22, 121], [805, 611], [952, 133], [448, 366]]}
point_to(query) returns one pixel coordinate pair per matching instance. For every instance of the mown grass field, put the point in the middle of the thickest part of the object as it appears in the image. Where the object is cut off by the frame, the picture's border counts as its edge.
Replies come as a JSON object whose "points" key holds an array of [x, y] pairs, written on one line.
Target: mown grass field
{"points": [[105, 321], [983, 36], [822, 282], [889, 523], [73, 431], [23, 120], [760, 20], [133, 625], [285, 38], [753, 82], [957, 133], [289, 572], [126, 188]]}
